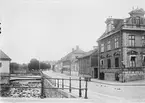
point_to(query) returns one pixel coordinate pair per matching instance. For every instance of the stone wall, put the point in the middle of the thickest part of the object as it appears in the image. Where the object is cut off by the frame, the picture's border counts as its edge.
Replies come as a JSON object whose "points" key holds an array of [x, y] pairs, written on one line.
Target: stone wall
{"points": [[110, 76], [132, 76], [4, 79], [55, 92]]}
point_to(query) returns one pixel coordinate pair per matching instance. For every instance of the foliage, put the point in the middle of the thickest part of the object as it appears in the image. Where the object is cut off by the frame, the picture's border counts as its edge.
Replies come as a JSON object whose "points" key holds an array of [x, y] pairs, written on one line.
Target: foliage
{"points": [[14, 67], [35, 65]]}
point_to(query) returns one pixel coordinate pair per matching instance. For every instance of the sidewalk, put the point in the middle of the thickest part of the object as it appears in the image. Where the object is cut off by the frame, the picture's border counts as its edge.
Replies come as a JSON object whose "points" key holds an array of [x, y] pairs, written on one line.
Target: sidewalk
{"points": [[115, 83], [100, 90]]}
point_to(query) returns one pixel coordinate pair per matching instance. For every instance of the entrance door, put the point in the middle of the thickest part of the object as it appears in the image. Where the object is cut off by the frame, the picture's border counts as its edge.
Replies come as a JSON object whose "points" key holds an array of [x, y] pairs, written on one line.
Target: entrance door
{"points": [[95, 72]]}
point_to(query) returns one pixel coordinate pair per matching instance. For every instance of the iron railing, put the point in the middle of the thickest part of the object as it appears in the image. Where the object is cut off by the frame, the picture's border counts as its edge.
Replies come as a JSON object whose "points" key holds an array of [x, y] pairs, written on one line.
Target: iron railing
{"points": [[55, 82]]}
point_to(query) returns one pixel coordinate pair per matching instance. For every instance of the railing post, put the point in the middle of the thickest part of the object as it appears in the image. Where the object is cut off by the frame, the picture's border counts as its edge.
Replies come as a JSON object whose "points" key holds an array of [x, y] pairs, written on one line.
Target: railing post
{"points": [[62, 83], [80, 93], [86, 88], [70, 84], [42, 87], [58, 83]]}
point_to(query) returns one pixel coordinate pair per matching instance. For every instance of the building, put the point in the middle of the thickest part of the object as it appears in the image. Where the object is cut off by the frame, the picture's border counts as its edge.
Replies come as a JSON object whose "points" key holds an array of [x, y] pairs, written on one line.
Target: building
{"points": [[69, 62], [88, 64], [58, 66], [4, 67], [0, 28], [122, 48]]}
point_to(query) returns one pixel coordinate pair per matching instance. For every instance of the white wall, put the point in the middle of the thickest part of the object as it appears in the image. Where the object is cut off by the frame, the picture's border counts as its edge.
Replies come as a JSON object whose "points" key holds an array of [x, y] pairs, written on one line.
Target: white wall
{"points": [[5, 68]]}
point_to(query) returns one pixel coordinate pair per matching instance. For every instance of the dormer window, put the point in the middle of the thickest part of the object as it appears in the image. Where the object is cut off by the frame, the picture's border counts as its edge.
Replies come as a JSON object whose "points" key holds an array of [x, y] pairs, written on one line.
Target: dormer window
{"points": [[109, 23], [136, 20], [109, 27]]}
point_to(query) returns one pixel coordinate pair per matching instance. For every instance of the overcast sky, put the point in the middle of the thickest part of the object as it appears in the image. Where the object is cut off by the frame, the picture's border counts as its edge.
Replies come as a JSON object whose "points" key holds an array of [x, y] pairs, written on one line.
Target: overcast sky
{"points": [[49, 29]]}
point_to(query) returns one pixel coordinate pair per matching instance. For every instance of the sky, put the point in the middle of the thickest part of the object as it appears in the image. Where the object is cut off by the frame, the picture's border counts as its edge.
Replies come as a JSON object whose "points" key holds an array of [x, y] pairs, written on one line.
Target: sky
{"points": [[48, 29]]}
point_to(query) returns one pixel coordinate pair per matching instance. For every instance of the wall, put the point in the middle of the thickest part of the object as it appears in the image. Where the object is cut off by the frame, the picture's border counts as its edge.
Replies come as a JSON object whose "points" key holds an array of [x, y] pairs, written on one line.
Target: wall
{"points": [[5, 68]]}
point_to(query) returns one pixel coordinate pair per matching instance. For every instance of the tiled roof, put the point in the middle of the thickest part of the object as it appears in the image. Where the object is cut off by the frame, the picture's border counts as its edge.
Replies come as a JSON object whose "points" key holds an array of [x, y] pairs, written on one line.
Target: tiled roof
{"points": [[88, 53], [68, 56], [3, 56], [117, 23]]}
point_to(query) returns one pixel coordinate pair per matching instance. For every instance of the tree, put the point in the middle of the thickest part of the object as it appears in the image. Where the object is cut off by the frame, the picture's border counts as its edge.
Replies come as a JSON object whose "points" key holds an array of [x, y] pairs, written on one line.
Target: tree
{"points": [[33, 65], [44, 66], [14, 67]]}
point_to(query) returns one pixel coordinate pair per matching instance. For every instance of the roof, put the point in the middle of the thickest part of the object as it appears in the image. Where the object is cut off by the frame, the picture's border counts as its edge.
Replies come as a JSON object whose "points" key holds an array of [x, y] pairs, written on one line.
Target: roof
{"points": [[68, 56], [88, 53], [117, 23], [3, 56]]}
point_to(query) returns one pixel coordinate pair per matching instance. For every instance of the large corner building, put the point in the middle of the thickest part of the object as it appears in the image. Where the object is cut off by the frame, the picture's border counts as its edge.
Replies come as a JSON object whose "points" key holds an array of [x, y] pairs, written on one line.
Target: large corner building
{"points": [[122, 48]]}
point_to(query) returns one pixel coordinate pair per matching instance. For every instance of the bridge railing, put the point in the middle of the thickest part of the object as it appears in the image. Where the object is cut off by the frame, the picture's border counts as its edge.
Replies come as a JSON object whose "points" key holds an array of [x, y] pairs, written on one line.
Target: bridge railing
{"points": [[58, 83]]}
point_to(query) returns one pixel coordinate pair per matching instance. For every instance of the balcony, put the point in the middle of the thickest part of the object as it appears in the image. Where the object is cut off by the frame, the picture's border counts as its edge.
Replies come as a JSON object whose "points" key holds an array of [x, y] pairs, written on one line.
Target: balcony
{"points": [[133, 27]]}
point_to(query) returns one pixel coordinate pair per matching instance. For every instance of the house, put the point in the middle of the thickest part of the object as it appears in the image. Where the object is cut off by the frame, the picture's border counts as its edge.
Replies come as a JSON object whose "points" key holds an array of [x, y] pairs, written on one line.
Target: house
{"points": [[122, 48], [69, 62], [58, 66], [88, 63], [4, 67]]}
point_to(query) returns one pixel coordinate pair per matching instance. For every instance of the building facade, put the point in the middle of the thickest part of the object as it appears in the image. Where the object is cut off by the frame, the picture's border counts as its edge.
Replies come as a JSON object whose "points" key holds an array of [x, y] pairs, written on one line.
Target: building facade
{"points": [[88, 64], [69, 64], [4, 67], [122, 48]]}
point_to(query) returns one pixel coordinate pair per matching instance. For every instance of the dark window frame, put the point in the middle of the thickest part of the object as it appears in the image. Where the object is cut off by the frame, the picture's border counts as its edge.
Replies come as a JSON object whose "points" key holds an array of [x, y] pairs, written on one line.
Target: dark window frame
{"points": [[131, 40], [116, 62]]}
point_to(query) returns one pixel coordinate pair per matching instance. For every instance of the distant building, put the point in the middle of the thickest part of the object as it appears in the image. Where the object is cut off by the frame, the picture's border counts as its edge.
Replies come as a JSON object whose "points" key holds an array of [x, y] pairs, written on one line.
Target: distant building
{"points": [[122, 48], [68, 64], [0, 28], [4, 67], [58, 66], [88, 64]]}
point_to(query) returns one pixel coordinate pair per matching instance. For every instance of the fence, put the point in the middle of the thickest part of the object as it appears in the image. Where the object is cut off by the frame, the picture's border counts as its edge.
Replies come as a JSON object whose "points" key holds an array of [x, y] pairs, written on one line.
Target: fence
{"points": [[57, 82]]}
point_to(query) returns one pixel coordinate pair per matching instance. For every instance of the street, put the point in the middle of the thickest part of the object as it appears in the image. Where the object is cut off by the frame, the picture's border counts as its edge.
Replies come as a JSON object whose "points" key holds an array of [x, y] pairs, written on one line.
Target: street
{"points": [[103, 92]]}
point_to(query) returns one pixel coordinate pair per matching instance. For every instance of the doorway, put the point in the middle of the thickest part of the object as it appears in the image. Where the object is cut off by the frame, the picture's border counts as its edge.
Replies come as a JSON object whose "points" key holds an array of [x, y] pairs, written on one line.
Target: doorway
{"points": [[95, 72]]}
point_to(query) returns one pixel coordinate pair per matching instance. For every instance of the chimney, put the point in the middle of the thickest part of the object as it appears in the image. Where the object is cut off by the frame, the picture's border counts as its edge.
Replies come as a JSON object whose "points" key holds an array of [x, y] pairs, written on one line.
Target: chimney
{"points": [[77, 47]]}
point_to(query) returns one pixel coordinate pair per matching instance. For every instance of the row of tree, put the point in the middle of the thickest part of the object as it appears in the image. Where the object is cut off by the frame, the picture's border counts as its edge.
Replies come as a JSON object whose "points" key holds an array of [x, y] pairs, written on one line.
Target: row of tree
{"points": [[33, 65], [37, 65]]}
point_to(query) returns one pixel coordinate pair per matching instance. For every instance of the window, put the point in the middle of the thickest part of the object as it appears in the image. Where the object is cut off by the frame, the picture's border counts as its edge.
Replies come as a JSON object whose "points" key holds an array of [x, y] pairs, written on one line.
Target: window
{"points": [[108, 45], [101, 62], [109, 27], [143, 60], [102, 47], [131, 40], [143, 40], [117, 62], [116, 43], [109, 63], [0, 64], [132, 61], [136, 21]]}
